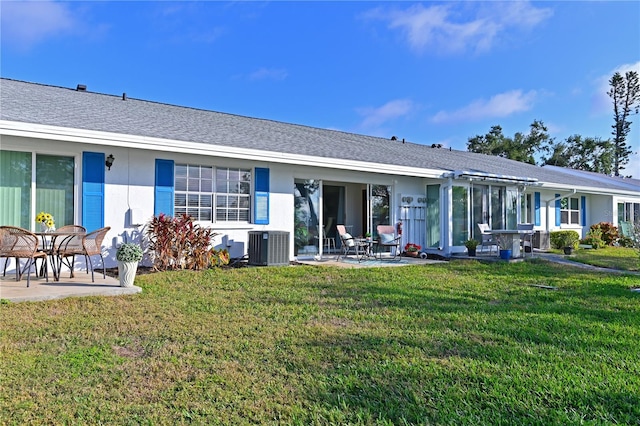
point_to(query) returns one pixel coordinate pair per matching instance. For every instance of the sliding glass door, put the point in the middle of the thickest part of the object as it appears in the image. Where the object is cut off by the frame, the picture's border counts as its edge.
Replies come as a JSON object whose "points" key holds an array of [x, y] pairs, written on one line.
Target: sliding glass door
{"points": [[52, 176], [307, 236]]}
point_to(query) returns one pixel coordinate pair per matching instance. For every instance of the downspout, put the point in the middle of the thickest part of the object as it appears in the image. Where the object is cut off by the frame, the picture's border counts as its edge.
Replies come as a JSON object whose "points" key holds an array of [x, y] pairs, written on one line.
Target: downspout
{"points": [[559, 197]]}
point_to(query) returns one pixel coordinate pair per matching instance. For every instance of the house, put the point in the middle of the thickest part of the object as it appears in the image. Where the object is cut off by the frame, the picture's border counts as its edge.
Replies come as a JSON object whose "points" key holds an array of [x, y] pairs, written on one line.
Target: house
{"points": [[239, 174]]}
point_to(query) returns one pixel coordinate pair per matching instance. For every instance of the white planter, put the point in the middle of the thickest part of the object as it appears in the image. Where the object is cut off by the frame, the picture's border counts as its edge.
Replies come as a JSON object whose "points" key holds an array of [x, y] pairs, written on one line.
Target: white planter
{"points": [[127, 273]]}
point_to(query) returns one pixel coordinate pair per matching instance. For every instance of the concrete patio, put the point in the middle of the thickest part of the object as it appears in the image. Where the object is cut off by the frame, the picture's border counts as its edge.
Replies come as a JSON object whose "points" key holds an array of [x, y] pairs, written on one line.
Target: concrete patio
{"points": [[79, 286]]}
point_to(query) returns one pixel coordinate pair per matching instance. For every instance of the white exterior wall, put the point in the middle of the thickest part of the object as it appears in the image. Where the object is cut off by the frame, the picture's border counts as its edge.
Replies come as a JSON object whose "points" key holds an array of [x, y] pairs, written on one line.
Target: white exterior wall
{"points": [[601, 209], [129, 193]]}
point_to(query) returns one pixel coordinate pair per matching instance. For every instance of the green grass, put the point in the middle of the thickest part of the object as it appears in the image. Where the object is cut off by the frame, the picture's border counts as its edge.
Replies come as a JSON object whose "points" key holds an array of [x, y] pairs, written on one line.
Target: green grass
{"points": [[453, 343], [626, 259]]}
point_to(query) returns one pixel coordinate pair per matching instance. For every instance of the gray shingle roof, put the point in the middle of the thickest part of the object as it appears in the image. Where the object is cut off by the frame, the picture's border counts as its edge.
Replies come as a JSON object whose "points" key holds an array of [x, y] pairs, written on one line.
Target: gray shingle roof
{"points": [[57, 106]]}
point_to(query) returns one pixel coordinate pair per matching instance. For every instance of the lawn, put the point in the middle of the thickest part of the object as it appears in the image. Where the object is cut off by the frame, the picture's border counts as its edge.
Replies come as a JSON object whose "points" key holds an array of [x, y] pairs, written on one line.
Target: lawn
{"points": [[626, 259], [452, 343]]}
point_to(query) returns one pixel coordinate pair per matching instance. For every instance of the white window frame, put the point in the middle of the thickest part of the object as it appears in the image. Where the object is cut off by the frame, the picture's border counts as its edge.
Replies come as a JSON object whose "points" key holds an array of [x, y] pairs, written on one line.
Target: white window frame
{"points": [[208, 198], [566, 207]]}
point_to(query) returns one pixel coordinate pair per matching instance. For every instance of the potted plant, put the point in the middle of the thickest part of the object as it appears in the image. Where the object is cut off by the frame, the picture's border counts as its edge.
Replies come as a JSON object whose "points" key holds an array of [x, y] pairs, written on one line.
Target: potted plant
{"points": [[566, 241], [128, 255], [471, 247], [367, 236], [412, 249], [505, 244]]}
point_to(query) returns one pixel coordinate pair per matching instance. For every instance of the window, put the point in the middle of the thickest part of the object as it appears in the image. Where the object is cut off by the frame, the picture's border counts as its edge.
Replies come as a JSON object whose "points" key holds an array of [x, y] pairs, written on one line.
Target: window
{"points": [[194, 191], [570, 211], [196, 188], [52, 176], [629, 212]]}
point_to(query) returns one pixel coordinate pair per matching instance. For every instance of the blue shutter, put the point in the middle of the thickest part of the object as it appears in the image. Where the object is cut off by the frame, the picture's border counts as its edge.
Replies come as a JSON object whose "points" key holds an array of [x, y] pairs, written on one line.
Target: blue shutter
{"points": [[92, 190], [583, 210], [558, 210], [536, 206], [163, 202], [261, 197]]}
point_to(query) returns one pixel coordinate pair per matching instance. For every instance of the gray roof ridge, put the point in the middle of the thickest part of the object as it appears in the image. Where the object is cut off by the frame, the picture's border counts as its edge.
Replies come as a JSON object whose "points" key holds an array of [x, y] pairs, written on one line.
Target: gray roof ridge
{"points": [[267, 120]]}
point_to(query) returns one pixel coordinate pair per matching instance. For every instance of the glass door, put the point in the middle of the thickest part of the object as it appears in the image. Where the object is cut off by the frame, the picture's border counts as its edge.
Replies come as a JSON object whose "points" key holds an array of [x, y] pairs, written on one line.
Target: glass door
{"points": [[380, 207], [479, 209], [307, 235]]}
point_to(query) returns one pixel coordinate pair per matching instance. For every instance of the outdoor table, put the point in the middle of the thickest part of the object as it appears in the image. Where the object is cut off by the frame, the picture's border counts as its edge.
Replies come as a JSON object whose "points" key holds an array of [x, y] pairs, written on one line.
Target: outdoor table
{"points": [[509, 239], [49, 243], [365, 248]]}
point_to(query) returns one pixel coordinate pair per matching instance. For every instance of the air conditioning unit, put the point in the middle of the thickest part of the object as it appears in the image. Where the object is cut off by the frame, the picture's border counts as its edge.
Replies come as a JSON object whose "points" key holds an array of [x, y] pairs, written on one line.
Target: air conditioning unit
{"points": [[541, 240], [268, 248]]}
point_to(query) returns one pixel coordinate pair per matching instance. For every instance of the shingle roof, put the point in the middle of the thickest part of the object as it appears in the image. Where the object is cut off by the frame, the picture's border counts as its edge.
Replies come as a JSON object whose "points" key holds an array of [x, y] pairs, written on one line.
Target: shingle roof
{"points": [[63, 107]]}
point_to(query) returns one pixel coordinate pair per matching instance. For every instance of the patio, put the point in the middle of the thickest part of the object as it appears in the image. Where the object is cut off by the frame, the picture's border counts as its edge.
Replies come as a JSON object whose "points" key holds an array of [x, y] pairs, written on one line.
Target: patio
{"points": [[79, 286]]}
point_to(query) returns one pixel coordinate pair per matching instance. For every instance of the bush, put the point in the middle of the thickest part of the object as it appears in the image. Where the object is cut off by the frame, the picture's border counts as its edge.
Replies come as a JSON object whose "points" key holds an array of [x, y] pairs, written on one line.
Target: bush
{"points": [[609, 233], [626, 242], [594, 238], [179, 243], [562, 239]]}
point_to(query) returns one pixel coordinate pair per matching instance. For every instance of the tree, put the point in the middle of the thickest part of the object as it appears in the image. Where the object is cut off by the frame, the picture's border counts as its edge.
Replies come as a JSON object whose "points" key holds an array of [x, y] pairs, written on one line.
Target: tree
{"points": [[520, 148], [589, 154], [625, 93]]}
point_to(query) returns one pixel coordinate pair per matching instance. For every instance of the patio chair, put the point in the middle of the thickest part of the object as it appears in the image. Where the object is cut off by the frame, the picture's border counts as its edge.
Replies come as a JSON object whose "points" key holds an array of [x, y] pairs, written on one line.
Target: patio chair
{"points": [[19, 243], [486, 239], [526, 236], [347, 242], [626, 229], [87, 245], [327, 241], [387, 239]]}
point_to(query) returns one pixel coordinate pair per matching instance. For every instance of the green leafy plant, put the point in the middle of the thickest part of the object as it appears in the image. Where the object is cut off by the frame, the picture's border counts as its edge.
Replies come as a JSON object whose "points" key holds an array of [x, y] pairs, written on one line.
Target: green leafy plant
{"points": [[594, 238], [609, 233], [471, 244], [129, 252], [562, 239]]}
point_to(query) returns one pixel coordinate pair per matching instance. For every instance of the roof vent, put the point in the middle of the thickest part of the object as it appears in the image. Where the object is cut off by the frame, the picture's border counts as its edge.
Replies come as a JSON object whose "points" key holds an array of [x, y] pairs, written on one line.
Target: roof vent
{"points": [[436, 145], [394, 138], [81, 88], [124, 96]]}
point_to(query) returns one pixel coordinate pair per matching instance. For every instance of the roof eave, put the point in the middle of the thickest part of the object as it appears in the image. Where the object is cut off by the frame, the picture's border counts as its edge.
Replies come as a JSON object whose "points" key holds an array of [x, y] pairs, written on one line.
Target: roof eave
{"points": [[93, 137]]}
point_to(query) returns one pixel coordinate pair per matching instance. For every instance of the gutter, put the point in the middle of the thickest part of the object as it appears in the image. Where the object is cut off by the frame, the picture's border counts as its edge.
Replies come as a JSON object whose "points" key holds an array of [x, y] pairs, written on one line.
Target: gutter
{"points": [[559, 197]]}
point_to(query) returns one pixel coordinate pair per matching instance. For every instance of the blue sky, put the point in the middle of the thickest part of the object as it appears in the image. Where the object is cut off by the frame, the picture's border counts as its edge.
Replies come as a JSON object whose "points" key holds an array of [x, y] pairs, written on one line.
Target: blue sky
{"points": [[429, 72]]}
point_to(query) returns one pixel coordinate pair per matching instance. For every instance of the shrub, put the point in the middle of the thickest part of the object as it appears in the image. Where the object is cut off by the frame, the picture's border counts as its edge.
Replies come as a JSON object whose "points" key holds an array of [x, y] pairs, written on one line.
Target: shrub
{"points": [[626, 242], [594, 238], [219, 257], [609, 233], [179, 243], [561, 239], [129, 252]]}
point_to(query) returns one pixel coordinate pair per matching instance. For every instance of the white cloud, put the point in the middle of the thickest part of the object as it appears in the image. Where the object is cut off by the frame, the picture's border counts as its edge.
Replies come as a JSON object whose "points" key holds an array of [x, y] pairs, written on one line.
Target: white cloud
{"points": [[441, 27], [269, 74], [600, 101], [28, 22], [500, 105], [375, 117]]}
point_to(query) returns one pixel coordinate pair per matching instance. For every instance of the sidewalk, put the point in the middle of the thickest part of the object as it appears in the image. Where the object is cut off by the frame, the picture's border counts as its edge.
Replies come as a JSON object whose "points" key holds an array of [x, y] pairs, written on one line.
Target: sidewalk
{"points": [[558, 258]]}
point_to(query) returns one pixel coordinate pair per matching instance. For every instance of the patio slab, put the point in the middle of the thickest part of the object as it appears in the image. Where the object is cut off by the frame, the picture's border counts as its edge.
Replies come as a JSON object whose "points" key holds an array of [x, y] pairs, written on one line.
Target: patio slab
{"points": [[79, 286]]}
